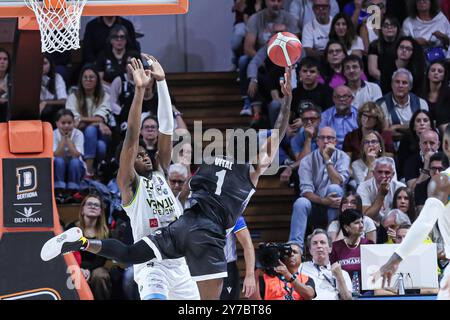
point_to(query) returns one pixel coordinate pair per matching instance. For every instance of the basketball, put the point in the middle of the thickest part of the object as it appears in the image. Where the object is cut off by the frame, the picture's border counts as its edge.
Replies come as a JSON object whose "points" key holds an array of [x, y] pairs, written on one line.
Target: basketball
{"points": [[284, 49]]}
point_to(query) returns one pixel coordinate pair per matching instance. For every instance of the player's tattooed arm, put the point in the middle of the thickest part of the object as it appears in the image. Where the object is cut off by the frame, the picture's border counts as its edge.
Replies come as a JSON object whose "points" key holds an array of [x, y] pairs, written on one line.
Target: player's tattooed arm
{"points": [[269, 149]]}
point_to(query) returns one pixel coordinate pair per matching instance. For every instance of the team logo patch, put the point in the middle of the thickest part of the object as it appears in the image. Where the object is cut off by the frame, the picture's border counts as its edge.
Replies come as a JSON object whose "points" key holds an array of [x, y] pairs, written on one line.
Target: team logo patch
{"points": [[153, 223], [26, 179]]}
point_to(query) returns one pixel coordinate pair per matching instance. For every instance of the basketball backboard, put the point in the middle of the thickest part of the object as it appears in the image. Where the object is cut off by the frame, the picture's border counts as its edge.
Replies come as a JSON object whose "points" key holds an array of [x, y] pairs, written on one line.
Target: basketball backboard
{"points": [[17, 8]]}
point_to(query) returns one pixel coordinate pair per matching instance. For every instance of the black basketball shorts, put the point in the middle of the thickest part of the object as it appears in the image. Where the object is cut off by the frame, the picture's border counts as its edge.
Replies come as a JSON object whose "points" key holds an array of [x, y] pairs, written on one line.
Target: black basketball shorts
{"points": [[197, 238]]}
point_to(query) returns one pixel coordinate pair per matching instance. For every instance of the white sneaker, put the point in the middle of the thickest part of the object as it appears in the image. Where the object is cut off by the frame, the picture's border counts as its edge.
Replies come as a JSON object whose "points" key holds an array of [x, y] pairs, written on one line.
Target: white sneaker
{"points": [[245, 112], [68, 241]]}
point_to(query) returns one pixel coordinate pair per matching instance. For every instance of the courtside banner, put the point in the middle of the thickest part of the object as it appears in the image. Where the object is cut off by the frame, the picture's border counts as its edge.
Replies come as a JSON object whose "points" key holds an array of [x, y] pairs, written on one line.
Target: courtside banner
{"points": [[27, 193]]}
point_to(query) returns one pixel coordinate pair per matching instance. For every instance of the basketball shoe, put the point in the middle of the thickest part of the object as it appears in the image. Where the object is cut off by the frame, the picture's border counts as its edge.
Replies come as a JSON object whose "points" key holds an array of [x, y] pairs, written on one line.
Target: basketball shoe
{"points": [[66, 242]]}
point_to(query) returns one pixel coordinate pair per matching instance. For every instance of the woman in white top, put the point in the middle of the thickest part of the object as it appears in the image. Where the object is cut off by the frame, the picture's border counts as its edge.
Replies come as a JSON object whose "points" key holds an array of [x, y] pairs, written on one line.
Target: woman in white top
{"points": [[53, 91], [68, 148], [351, 200], [91, 107], [372, 147], [342, 29], [427, 24]]}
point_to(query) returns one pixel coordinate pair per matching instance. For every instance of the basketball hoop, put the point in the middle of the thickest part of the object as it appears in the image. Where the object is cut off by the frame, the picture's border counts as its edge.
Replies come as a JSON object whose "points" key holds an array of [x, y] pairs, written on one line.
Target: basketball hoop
{"points": [[59, 23]]}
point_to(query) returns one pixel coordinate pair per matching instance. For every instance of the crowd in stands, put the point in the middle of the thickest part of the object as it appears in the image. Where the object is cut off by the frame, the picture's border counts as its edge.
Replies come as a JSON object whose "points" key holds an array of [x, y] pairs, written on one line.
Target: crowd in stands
{"points": [[370, 105]]}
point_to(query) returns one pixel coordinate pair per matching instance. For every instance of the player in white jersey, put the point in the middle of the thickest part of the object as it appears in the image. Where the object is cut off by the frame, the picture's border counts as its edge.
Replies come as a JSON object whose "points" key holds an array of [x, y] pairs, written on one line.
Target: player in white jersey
{"points": [[146, 196], [436, 209]]}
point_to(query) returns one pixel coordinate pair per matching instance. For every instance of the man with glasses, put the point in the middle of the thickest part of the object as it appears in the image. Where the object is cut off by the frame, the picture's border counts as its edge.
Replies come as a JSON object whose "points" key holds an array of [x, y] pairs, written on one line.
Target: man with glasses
{"points": [[332, 283], [377, 193], [343, 116], [305, 141], [437, 163], [363, 91], [97, 32], [315, 33], [417, 166], [304, 12], [324, 173]]}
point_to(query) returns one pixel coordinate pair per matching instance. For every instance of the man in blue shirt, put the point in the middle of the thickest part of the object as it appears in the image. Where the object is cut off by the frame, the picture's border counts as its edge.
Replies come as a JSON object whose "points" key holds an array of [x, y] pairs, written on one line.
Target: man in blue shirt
{"points": [[342, 117]]}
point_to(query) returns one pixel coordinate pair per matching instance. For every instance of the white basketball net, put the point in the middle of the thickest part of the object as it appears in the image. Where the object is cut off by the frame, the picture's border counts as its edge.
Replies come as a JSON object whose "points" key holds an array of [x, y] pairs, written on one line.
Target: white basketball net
{"points": [[59, 23]]}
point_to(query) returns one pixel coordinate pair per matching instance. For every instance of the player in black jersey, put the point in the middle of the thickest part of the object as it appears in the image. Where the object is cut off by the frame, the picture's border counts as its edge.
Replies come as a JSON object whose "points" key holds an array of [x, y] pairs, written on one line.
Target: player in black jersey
{"points": [[221, 190]]}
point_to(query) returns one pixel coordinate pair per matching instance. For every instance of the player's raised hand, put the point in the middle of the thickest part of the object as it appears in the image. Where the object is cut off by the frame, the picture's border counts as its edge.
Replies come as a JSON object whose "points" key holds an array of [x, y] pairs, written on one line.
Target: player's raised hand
{"points": [[386, 272], [141, 77], [286, 86], [156, 69]]}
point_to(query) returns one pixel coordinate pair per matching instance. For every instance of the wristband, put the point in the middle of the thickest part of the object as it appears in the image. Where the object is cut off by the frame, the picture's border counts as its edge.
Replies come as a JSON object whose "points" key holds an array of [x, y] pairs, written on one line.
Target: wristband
{"points": [[293, 277]]}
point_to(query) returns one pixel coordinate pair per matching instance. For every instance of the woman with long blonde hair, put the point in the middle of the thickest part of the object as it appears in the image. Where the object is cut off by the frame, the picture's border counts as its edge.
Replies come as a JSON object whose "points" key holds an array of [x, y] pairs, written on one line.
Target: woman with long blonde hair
{"points": [[91, 219]]}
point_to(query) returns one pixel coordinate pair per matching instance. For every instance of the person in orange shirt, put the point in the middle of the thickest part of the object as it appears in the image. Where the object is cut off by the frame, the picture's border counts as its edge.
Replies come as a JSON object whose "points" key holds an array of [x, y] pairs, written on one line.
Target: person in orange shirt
{"points": [[287, 283]]}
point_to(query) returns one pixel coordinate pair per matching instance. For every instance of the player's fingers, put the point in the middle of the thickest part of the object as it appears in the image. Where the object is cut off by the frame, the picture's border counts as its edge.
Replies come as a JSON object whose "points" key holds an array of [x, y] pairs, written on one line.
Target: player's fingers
{"points": [[140, 65]]}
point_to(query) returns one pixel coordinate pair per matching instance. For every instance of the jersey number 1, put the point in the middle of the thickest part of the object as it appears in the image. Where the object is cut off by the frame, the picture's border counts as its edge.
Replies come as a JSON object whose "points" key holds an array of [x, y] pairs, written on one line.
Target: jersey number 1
{"points": [[220, 176]]}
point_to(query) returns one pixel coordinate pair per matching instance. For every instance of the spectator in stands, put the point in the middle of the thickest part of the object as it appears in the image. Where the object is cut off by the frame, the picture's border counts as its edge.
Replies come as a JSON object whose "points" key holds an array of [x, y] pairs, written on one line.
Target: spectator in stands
{"points": [[404, 201], [323, 172], [331, 282], [286, 282], [304, 141], [259, 30], [242, 9], [149, 133], [53, 92], [342, 29], [357, 10], [368, 30], [399, 105], [417, 166], [409, 144], [409, 55], [437, 94], [112, 61], [352, 200], [428, 25], [309, 89], [91, 220], [68, 148], [231, 285], [438, 163], [347, 252], [177, 177], [90, 105], [315, 33], [363, 91], [377, 193], [390, 223], [370, 118], [335, 53], [303, 10], [264, 84], [384, 48], [5, 65], [342, 116], [373, 148], [96, 36]]}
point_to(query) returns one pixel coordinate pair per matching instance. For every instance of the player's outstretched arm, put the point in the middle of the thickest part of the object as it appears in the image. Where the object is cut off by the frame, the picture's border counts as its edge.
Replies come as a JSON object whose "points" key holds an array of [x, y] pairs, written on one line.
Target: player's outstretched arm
{"points": [[269, 149], [165, 116], [438, 192], [126, 175]]}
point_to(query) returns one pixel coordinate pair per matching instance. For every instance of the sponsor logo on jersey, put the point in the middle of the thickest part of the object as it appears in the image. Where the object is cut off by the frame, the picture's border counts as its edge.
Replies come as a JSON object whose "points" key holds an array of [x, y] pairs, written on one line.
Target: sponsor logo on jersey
{"points": [[154, 223]]}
